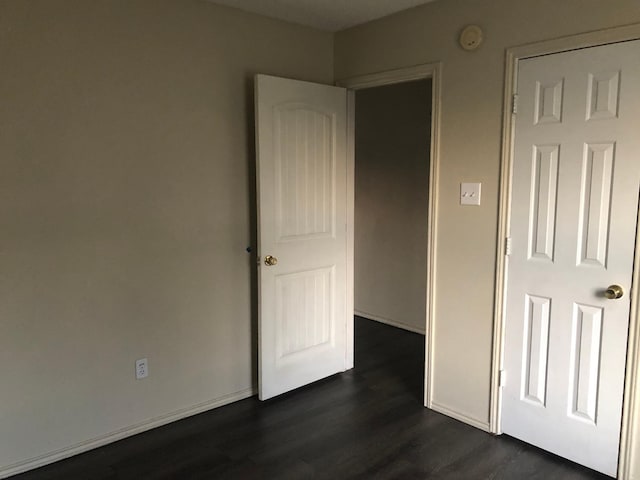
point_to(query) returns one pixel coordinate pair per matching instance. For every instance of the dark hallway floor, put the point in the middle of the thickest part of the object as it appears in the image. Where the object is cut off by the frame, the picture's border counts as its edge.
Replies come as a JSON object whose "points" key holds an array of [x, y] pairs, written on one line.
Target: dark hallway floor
{"points": [[367, 423]]}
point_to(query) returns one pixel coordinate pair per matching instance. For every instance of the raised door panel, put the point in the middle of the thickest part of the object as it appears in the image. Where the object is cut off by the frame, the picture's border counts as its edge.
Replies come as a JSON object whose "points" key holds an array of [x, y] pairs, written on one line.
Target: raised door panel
{"points": [[535, 349], [586, 344], [544, 185], [595, 201], [304, 312], [305, 179], [603, 95], [548, 101]]}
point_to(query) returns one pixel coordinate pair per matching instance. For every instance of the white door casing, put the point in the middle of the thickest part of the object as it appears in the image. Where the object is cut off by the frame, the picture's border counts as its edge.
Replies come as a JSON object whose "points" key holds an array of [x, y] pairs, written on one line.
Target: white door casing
{"points": [[431, 71], [301, 136], [575, 183]]}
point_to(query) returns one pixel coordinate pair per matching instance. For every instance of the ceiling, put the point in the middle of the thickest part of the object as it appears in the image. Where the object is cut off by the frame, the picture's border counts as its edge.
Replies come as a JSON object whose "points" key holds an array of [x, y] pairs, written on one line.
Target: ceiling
{"points": [[329, 15]]}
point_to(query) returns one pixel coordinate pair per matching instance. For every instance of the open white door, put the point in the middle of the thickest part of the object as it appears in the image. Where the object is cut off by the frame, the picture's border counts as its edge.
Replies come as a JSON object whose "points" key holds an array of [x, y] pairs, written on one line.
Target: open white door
{"points": [[301, 133], [574, 205]]}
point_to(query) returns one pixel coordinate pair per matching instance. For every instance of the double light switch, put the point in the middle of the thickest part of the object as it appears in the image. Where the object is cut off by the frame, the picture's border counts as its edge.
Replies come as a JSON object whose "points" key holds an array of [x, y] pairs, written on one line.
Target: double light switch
{"points": [[470, 193]]}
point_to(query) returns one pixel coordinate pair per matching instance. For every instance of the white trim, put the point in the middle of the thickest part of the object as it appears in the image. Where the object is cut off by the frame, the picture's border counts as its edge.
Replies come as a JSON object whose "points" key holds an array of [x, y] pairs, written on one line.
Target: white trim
{"points": [[432, 228], [460, 416], [388, 321], [351, 156], [125, 432], [629, 441], [574, 42], [631, 406], [501, 254], [389, 77], [418, 72]]}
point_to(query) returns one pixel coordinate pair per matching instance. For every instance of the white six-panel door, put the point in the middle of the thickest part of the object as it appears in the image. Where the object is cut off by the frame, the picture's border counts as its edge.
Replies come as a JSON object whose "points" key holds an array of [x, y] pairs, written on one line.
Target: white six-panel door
{"points": [[301, 131], [574, 204]]}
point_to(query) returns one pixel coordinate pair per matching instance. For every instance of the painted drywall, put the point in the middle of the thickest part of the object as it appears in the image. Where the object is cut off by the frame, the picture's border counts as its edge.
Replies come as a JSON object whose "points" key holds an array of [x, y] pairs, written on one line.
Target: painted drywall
{"points": [[472, 89], [392, 141], [126, 204]]}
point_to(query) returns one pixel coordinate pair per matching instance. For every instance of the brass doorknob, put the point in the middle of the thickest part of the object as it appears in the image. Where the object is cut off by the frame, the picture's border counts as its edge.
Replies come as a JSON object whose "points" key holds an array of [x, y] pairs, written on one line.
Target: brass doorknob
{"points": [[613, 292], [270, 261]]}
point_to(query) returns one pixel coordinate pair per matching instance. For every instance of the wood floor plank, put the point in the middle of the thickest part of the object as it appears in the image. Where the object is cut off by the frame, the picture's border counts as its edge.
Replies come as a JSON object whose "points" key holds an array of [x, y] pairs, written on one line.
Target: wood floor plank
{"points": [[368, 423]]}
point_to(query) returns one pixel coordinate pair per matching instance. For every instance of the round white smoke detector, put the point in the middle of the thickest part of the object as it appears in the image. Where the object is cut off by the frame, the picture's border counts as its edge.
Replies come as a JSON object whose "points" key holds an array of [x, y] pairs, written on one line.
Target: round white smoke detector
{"points": [[471, 37]]}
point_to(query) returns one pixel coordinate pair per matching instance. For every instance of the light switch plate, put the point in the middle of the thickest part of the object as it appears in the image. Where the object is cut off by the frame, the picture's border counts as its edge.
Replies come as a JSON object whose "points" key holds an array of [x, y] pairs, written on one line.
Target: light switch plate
{"points": [[470, 193]]}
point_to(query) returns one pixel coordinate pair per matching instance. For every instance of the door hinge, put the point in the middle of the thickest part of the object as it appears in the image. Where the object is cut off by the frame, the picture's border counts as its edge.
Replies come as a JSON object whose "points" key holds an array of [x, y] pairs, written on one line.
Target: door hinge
{"points": [[507, 246], [502, 378], [514, 104]]}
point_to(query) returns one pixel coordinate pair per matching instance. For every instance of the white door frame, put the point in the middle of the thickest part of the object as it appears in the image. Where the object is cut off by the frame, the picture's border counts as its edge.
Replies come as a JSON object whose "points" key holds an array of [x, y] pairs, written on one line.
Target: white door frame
{"points": [[630, 438], [419, 72]]}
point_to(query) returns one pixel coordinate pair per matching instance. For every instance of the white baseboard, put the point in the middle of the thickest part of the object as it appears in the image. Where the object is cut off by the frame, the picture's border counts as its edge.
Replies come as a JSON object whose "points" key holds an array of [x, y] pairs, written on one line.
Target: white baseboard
{"points": [[461, 417], [125, 432], [388, 321]]}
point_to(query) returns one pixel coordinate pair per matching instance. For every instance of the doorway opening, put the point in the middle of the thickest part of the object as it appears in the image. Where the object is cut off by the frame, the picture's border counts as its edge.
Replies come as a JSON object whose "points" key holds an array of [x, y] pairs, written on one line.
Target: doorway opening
{"points": [[392, 143], [305, 135]]}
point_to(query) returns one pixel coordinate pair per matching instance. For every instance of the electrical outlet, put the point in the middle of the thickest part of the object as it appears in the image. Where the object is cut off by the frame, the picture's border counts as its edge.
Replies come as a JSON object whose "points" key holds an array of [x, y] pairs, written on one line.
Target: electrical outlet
{"points": [[142, 368]]}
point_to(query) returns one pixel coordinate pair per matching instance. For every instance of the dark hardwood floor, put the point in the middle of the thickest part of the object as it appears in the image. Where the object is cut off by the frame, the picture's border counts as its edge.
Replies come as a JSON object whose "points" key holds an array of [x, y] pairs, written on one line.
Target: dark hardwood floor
{"points": [[367, 423]]}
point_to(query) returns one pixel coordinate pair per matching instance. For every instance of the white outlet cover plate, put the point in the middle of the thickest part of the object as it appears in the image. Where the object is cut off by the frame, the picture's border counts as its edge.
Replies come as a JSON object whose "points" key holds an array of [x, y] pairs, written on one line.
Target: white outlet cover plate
{"points": [[142, 368], [470, 193]]}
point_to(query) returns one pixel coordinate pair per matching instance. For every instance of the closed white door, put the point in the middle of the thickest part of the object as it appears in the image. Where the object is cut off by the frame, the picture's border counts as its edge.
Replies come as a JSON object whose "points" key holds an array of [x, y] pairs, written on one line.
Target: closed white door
{"points": [[301, 131], [574, 206]]}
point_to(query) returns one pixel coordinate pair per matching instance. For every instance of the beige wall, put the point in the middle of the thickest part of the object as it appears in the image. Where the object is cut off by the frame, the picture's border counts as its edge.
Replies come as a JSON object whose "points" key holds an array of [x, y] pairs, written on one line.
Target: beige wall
{"points": [[472, 89], [126, 197], [391, 194], [126, 204]]}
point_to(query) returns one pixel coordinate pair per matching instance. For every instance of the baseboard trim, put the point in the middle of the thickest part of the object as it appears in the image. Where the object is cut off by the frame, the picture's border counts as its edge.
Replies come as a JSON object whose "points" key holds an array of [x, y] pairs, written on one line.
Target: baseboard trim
{"points": [[388, 321], [125, 432], [460, 416]]}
